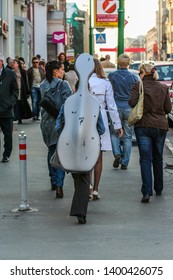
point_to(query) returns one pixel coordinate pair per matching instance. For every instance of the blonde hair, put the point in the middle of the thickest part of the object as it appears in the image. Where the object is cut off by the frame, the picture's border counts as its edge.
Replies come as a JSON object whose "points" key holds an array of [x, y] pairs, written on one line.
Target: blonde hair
{"points": [[123, 60], [98, 69], [148, 69]]}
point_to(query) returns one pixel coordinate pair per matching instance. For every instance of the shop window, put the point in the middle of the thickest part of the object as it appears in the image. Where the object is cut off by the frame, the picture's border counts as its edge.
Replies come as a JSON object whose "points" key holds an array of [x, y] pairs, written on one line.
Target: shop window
{"points": [[19, 38]]}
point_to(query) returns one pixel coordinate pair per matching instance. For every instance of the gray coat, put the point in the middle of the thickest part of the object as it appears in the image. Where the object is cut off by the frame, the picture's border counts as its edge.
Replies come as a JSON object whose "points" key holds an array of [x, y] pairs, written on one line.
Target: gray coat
{"points": [[49, 133], [8, 93]]}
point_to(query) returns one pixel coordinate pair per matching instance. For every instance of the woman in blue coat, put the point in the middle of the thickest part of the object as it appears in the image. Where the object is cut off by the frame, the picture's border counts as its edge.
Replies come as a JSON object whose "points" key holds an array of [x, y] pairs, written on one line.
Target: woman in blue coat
{"points": [[62, 90]]}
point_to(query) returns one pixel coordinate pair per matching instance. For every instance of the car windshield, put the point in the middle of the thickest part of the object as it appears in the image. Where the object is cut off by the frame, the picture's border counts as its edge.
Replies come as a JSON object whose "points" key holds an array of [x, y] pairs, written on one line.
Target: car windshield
{"points": [[165, 72], [135, 66]]}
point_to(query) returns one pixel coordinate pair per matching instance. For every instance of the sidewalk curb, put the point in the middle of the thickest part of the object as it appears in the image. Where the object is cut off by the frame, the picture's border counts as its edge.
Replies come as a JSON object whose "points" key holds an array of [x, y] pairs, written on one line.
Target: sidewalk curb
{"points": [[169, 145]]}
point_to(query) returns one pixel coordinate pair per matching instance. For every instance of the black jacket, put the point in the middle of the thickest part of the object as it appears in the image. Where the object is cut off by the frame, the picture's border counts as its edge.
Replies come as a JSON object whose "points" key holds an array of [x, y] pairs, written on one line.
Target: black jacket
{"points": [[8, 93]]}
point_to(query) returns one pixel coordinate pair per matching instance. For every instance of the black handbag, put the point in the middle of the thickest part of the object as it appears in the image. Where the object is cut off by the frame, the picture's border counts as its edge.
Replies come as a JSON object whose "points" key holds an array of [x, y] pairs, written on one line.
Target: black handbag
{"points": [[48, 102]]}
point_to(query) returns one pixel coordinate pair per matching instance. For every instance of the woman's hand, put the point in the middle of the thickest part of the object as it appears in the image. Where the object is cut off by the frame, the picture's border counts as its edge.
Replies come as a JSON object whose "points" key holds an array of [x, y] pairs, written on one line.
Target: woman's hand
{"points": [[120, 132]]}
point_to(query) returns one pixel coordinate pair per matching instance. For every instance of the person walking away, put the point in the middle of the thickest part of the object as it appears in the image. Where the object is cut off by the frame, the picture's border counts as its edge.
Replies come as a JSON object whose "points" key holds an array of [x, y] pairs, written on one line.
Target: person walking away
{"points": [[8, 98], [151, 130], [101, 89], [71, 77], [81, 178], [106, 63], [35, 77], [22, 108], [122, 81], [53, 79]]}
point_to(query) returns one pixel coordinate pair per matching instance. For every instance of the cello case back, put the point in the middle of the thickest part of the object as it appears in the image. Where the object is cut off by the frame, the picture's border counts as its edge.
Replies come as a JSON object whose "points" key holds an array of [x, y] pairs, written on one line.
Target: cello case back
{"points": [[78, 146]]}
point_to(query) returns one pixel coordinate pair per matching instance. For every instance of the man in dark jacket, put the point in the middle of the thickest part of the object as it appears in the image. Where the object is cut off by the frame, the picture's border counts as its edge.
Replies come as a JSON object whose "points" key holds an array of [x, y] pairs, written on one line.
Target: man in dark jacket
{"points": [[8, 98]]}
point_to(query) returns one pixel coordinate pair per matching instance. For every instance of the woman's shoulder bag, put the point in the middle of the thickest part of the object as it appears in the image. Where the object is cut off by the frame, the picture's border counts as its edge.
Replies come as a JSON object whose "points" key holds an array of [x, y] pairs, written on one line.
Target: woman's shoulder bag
{"points": [[137, 111], [48, 101]]}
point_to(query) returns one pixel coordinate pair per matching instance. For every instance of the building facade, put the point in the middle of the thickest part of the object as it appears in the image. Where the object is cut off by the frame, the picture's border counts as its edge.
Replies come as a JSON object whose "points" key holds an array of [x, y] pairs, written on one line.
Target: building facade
{"points": [[30, 27]]}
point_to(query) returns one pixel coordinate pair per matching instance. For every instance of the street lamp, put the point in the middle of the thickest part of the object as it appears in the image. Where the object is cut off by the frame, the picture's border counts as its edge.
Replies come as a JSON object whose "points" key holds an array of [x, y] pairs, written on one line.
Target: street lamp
{"points": [[121, 27]]}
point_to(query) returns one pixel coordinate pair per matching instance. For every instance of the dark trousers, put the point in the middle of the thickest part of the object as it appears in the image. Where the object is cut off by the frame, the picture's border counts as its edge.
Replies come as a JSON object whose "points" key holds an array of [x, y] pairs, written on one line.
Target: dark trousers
{"points": [[6, 125], [17, 111], [81, 194]]}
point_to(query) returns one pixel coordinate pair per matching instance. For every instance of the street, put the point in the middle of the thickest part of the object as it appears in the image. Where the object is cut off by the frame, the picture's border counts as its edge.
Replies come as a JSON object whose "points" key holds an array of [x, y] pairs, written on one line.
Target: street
{"points": [[118, 225]]}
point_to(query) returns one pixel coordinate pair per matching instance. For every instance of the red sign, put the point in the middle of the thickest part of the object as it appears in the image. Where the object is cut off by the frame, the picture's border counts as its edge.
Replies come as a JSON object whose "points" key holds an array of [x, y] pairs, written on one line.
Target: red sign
{"points": [[58, 37], [109, 7], [126, 49]]}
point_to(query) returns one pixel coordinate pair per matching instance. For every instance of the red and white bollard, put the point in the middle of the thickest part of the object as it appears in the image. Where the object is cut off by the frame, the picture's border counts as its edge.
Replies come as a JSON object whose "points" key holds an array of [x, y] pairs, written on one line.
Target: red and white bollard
{"points": [[23, 173]]}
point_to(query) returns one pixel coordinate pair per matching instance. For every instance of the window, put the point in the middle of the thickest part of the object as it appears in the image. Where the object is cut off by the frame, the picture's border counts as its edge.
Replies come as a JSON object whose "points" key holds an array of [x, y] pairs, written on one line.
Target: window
{"points": [[19, 38]]}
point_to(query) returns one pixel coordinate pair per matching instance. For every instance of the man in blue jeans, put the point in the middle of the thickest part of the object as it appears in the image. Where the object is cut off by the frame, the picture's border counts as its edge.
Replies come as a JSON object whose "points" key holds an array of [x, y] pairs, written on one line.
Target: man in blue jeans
{"points": [[35, 77], [122, 81]]}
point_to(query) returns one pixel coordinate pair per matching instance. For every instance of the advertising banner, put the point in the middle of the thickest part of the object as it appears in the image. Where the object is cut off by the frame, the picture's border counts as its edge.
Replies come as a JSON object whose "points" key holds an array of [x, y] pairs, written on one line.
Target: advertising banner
{"points": [[106, 13]]}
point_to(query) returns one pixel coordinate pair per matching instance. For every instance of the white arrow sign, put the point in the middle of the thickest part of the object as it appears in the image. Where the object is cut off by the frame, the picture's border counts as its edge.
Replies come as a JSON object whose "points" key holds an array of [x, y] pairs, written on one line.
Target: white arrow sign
{"points": [[58, 37]]}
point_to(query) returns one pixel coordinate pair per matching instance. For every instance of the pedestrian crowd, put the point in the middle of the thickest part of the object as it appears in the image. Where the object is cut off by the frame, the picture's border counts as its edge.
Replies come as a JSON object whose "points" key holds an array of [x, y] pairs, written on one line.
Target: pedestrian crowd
{"points": [[22, 88]]}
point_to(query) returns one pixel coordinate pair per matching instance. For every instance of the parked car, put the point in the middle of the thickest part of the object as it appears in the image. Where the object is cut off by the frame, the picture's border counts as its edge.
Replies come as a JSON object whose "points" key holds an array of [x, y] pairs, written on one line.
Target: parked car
{"points": [[109, 70], [135, 64], [165, 71]]}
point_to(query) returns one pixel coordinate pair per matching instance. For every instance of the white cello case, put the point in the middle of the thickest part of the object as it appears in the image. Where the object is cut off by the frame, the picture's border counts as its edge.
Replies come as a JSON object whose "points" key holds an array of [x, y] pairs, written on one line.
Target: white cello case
{"points": [[78, 146]]}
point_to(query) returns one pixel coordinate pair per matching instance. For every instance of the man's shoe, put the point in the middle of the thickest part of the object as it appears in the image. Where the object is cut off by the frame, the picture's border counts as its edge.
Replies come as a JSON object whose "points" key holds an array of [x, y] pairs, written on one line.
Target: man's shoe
{"points": [[145, 198], [34, 119], [59, 192], [123, 167], [81, 219], [5, 159], [116, 161]]}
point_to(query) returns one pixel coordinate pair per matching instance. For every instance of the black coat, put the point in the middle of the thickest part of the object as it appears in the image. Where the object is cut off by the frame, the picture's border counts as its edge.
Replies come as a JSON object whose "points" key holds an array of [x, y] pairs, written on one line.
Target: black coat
{"points": [[22, 109], [8, 93]]}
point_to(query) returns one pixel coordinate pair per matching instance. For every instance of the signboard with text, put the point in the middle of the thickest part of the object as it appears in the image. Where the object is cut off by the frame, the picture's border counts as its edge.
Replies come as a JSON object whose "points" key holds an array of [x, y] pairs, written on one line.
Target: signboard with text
{"points": [[106, 13]]}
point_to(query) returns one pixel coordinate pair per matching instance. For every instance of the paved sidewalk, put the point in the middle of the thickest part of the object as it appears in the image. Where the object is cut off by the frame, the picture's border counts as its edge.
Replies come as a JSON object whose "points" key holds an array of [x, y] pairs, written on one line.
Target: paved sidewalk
{"points": [[118, 226]]}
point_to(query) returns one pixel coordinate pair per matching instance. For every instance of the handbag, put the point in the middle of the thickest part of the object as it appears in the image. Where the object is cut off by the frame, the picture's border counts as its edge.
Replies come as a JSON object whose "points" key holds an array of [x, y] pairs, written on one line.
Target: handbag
{"points": [[48, 102], [137, 111]]}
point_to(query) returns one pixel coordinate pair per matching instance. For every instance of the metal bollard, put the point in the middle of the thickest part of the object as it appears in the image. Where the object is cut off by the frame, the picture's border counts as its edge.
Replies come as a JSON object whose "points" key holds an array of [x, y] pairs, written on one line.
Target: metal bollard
{"points": [[23, 174], [24, 206]]}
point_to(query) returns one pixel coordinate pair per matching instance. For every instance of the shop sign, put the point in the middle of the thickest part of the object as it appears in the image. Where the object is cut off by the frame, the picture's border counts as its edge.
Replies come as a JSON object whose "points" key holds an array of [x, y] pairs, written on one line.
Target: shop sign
{"points": [[58, 37]]}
